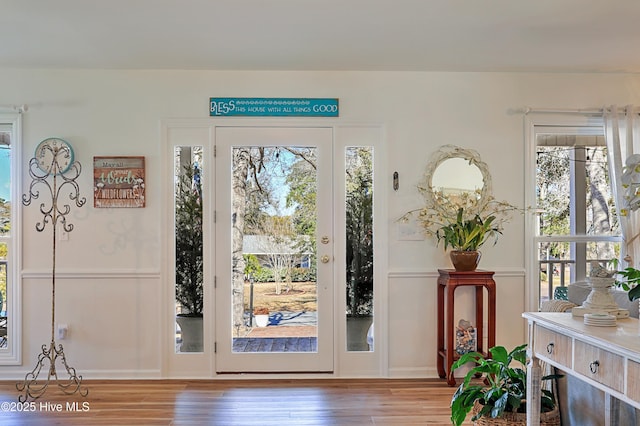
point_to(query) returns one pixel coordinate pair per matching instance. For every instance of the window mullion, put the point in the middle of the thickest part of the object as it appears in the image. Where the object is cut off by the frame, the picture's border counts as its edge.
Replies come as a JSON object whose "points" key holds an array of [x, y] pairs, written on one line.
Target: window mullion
{"points": [[578, 220]]}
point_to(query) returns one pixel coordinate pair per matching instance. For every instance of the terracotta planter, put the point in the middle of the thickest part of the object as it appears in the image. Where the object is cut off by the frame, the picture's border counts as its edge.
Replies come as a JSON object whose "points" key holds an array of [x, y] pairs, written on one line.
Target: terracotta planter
{"points": [[465, 260]]}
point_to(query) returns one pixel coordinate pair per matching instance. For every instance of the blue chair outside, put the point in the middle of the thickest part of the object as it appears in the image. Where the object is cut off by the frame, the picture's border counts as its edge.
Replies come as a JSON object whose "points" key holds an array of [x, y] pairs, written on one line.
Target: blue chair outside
{"points": [[560, 293]]}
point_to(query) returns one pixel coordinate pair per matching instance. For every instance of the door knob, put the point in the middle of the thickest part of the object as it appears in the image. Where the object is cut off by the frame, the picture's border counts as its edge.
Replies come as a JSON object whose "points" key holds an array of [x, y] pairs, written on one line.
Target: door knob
{"points": [[325, 258]]}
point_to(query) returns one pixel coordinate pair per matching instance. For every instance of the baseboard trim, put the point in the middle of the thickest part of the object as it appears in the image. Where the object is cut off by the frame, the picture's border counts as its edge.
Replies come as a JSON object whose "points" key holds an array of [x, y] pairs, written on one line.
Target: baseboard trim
{"points": [[413, 373]]}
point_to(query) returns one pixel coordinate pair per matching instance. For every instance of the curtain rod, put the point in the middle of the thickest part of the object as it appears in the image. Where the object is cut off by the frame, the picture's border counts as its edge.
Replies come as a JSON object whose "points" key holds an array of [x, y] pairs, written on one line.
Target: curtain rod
{"points": [[18, 108], [587, 111]]}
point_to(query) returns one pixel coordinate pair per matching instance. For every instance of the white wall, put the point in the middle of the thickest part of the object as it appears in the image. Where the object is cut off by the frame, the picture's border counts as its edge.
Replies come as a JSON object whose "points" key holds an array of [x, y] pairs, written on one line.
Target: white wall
{"points": [[110, 269]]}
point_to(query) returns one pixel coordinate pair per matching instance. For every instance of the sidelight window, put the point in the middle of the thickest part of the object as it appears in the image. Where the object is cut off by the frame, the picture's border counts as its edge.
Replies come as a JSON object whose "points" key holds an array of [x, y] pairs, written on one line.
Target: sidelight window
{"points": [[9, 238]]}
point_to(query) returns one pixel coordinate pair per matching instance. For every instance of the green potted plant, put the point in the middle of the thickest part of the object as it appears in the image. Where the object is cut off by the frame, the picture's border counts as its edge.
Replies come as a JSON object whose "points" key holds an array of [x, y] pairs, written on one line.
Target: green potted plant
{"points": [[189, 260], [501, 392], [631, 279], [465, 236], [463, 223]]}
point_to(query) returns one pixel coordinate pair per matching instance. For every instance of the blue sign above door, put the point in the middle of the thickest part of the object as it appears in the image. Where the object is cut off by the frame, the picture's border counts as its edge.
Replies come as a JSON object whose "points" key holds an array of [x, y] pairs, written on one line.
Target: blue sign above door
{"points": [[273, 107]]}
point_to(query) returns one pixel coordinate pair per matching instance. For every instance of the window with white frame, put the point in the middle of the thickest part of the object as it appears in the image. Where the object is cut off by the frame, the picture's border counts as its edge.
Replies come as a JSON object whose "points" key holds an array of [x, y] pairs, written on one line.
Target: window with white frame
{"points": [[10, 208], [576, 223]]}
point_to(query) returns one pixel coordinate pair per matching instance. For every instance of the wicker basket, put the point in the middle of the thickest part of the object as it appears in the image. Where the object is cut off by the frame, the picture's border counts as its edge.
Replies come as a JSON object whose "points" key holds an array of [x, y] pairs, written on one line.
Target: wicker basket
{"points": [[552, 418]]}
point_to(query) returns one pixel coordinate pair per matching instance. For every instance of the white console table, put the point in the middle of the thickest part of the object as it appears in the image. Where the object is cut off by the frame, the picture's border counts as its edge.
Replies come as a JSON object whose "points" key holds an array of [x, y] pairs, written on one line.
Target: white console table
{"points": [[605, 357]]}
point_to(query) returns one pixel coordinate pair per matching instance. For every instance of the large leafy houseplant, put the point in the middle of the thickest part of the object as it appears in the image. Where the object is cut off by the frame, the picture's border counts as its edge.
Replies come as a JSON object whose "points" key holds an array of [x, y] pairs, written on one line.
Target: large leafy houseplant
{"points": [[503, 387]]}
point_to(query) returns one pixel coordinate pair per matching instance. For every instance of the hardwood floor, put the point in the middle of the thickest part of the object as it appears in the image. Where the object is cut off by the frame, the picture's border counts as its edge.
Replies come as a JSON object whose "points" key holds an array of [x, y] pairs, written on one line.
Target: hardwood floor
{"points": [[261, 402]]}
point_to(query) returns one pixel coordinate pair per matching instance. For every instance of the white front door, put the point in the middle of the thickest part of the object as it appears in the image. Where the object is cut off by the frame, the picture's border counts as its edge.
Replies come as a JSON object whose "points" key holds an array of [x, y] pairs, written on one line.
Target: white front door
{"points": [[274, 249]]}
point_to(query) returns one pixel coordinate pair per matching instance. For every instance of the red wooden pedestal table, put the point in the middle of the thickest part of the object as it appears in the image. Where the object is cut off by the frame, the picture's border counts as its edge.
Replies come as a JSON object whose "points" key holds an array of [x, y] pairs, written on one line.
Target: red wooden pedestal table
{"points": [[448, 281]]}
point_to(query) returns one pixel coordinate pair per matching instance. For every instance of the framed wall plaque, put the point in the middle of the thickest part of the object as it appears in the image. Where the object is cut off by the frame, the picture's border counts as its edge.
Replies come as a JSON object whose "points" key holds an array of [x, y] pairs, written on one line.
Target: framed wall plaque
{"points": [[118, 182]]}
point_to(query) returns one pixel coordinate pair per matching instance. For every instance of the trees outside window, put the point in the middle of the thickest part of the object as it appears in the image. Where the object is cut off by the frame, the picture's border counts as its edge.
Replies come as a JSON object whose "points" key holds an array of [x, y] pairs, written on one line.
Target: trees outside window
{"points": [[189, 242], [577, 221], [275, 198], [359, 227], [274, 192]]}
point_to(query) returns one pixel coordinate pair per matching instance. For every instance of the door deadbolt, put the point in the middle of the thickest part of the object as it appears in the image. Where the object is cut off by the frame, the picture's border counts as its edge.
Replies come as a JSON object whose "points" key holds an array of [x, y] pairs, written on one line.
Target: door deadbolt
{"points": [[324, 240]]}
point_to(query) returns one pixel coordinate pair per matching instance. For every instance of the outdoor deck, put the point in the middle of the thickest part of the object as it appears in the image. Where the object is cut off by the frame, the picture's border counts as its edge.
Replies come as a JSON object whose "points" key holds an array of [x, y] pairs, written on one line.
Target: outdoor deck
{"points": [[299, 336], [296, 332], [275, 344]]}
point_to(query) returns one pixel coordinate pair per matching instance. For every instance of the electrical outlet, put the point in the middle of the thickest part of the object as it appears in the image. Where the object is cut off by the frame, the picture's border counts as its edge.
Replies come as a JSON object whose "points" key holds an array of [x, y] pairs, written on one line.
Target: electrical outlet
{"points": [[63, 330]]}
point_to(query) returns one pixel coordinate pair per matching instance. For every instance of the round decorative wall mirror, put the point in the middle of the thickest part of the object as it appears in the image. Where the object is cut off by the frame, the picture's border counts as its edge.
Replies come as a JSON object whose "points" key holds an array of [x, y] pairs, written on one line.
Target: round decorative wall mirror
{"points": [[456, 177]]}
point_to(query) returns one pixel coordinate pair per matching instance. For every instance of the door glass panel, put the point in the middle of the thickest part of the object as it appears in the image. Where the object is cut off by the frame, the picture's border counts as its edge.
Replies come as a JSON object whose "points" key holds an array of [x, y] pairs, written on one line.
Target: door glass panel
{"points": [[274, 229], [188, 173], [274, 301], [3, 295], [5, 229], [359, 247]]}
